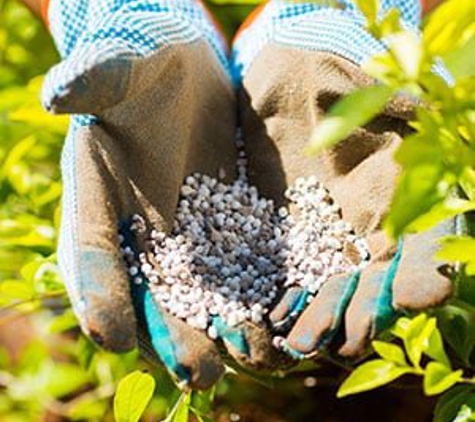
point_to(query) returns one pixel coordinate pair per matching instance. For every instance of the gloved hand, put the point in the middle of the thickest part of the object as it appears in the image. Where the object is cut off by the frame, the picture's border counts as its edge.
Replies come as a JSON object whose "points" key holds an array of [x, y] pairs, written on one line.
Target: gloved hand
{"points": [[295, 61], [152, 76]]}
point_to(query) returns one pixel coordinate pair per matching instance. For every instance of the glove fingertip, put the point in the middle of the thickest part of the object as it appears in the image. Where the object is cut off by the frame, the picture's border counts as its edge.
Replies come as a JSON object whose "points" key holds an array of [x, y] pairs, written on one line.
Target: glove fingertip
{"points": [[289, 307], [233, 336], [74, 88], [189, 356], [110, 323]]}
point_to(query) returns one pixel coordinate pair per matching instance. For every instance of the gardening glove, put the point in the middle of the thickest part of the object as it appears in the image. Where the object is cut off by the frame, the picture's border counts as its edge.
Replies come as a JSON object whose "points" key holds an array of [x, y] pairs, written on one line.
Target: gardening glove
{"points": [[152, 78], [295, 61], [148, 84]]}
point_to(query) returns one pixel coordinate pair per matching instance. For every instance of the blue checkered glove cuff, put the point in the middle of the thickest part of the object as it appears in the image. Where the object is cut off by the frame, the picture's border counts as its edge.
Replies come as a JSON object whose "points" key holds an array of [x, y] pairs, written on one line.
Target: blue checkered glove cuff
{"points": [[314, 26]]}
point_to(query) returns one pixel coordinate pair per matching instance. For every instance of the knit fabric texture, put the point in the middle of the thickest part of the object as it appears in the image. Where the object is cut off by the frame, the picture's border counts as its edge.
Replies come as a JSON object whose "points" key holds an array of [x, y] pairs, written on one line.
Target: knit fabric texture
{"points": [[319, 26]]}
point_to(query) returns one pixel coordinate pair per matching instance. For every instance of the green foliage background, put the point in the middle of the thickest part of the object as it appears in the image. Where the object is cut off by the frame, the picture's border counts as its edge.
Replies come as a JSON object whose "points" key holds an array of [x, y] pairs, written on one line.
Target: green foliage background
{"points": [[51, 372]]}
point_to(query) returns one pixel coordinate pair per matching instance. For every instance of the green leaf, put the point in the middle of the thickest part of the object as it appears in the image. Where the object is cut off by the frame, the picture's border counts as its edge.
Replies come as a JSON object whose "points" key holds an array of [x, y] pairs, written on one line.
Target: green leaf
{"points": [[87, 409], [420, 188], [62, 379], [449, 208], [450, 26], [183, 409], [390, 352], [133, 395], [439, 378], [465, 414], [407, 49], [458, 249], [435, 348], [369, 9], [63, 322], [371, 375], [15, 289], [461, 62], [202, 401], [351, 112], [391, 23], [416, 335], [452, 401], [457, 322]]}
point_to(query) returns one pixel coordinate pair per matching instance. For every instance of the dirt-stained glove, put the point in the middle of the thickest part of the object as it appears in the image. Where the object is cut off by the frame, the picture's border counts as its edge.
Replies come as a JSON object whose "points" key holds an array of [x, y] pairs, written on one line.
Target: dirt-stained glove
{"points": [[152, 78], [148, 83], [295, 61]]}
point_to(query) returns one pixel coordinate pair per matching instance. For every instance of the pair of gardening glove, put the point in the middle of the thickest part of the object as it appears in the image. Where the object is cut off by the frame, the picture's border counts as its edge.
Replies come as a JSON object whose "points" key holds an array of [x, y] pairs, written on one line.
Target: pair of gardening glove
{"points": [[149, 85]]}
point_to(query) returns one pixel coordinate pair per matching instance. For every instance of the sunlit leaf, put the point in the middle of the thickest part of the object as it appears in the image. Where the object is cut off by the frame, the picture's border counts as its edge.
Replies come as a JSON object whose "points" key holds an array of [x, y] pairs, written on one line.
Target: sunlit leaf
{"points": [[419, 189], [450, 26], [132, 397], [458, 249], [353, 111], [461, 62], [390, 352], [409, 53], [445, 210], [438, 378], [371, 375]]}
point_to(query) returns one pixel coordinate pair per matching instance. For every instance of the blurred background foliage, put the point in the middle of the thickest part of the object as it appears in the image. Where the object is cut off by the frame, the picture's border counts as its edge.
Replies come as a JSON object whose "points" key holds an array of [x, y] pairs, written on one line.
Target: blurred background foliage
{"points": [[50, 372]]}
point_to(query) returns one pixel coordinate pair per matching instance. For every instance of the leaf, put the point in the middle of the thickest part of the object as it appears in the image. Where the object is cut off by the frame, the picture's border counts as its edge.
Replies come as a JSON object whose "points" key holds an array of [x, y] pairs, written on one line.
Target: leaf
{"points": [[458, 249], [87, 409], [465, 414], [416, 336], [62, 379], [441, 211], [202, 401], [369, 9], [407, 48], [439, 378], [132, 396], [449, 26], [183, 409], [390, 352], [419, 189], [435, 349], [452, 401], [371, 375], [14, 289], [63, 322], [391, 23], [461, 62], [457, 322], [351, 112]]}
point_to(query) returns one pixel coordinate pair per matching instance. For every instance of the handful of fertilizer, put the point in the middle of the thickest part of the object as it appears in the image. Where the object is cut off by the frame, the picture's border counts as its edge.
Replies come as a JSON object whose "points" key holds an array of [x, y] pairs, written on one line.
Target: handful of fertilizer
{"points": [[233, 253]]}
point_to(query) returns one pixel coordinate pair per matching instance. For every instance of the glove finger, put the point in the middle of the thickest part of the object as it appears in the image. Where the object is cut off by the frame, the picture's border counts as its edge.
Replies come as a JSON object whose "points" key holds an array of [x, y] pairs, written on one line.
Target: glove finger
{"points": [[289, 307], [101, 303], [94, 77], [88, 250], [96, 74], [321, 320], [370, 310], [421, 281], [188, 354], [250, 345]]}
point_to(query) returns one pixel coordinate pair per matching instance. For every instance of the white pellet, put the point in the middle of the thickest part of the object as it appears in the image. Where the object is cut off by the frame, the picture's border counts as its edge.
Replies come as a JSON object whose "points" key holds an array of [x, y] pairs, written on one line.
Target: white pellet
{"points": [[232, 253]]}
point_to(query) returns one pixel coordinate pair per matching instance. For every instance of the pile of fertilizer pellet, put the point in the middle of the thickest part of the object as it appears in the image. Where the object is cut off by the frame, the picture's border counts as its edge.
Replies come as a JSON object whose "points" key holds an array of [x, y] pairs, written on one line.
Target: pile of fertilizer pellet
{"points": [[232, 253]]}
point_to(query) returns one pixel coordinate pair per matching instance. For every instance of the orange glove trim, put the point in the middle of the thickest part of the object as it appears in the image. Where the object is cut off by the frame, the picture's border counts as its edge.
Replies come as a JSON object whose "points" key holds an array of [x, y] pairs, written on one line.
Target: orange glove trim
{"points": [[44, 11], [250, 19]]}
